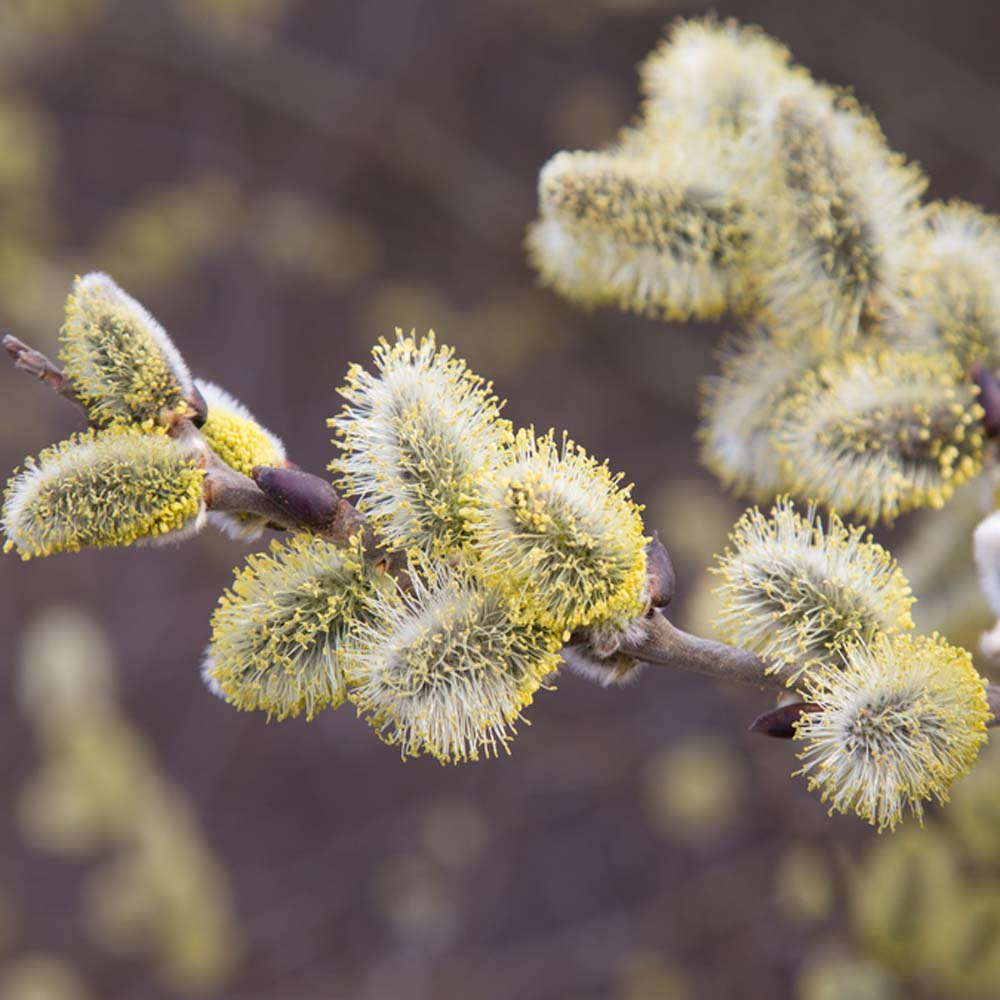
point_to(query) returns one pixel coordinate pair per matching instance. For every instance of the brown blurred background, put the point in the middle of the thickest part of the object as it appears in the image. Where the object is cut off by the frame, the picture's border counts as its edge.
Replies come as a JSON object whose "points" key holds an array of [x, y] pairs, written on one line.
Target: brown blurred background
{"points": [[281, 182]]}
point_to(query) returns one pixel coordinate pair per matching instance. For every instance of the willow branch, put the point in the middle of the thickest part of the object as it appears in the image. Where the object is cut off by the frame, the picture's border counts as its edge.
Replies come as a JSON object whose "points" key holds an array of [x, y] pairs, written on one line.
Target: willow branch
{"points": [[293, 500], [668, 646], [288, 499]]}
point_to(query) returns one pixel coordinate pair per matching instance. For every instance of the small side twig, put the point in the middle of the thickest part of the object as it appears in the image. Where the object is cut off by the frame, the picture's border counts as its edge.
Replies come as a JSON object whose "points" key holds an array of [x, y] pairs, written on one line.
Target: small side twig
{"points": [[36, 364]]}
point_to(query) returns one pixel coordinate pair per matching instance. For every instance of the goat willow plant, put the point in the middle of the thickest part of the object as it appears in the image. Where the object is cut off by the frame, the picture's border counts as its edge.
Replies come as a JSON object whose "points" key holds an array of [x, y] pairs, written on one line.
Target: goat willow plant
{"points": [[476, 557]]}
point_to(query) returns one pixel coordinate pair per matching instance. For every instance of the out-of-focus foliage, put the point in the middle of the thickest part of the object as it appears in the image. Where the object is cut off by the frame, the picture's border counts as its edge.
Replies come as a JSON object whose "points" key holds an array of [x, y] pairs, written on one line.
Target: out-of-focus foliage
{"points": [[693, 791], [156, 892]]}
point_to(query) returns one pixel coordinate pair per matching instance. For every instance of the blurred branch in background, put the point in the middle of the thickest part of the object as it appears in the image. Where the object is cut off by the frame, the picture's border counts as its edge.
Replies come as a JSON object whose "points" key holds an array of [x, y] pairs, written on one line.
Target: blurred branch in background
{"points": [[337, 100]]}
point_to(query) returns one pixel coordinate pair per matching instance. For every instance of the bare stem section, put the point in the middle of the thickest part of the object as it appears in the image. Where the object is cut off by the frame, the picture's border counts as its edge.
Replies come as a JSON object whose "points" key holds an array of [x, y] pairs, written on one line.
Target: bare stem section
{"points": [[668, 646], [36, 364]]}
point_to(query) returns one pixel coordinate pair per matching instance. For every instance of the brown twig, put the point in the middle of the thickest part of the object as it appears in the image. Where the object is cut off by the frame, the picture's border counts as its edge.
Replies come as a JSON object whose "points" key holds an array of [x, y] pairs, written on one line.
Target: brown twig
{"points": [[36, 364], [668, 646]]}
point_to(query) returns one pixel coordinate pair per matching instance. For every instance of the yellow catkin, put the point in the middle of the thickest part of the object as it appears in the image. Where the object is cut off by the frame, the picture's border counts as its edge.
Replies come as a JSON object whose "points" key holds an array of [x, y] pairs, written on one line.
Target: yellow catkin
{"points": [[449, 670], [417, 436], [558, 531], [618, 229], [278, 635], [713, 75], [122, 363], [115, 487], [951, 300], [235, 435], [840, 208], [798, 593], [880, 433], [736, 431], [898, 724]]}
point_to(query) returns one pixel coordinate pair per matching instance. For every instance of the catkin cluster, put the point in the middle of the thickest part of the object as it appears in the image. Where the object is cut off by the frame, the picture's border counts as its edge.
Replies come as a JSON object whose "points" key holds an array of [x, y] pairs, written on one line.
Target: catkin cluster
{"points": [[483, 550], [892, 720], [747, 187], [510, 541]]}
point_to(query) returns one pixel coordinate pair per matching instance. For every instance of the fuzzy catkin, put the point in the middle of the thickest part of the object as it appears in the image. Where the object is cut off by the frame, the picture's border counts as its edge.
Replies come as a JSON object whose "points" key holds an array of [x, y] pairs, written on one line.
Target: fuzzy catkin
{"points": [[242, 442], [278, 636], [950, 302], [841, 208], [448, 670], [111, 488], [712, 76], [880, 433], [737, 409], [902, 720], [558, 532], [798, 593], [614, 228], [417, 436], [121, 361]]}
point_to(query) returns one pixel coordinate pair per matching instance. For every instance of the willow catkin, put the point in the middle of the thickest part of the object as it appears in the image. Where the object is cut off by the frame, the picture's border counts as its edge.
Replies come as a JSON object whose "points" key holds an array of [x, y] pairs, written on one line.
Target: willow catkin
{"points": [[798, 593], [653, 235], [122, 363], [896, 726], [278, 636], [242, 442], [880, 433], [736, 431], [712, 76], [111, 488], [416, 438], [448, 670], [951, 299], [557, 531], [842, 211]]}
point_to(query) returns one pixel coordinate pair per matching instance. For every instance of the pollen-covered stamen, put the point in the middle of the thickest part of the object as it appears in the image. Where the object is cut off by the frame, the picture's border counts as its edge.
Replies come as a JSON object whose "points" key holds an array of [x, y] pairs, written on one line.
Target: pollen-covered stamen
{"points": [[902, 720], [417, 437], [880, 434], [557, 530], [615, 227], [448, 671], [278, 637], [120, 360], [798, 594], [111, 488]]}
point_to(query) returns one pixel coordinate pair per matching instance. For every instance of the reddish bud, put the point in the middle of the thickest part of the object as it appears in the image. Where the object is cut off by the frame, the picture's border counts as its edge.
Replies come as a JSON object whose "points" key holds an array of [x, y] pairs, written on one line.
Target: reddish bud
{"points": [[779, 723], [660, 573]]}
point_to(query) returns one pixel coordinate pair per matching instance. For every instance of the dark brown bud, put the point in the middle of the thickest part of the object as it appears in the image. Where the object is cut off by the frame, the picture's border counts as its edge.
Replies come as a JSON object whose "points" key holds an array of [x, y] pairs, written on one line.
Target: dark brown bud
{"points": [[307, 498], [197, 406], [779, 723], [660, 573], [989, 397]]}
